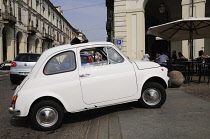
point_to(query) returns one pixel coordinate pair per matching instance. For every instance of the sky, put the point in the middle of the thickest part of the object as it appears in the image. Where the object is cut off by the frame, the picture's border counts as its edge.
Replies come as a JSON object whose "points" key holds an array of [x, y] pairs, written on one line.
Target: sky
{"points": [[89, 16]]}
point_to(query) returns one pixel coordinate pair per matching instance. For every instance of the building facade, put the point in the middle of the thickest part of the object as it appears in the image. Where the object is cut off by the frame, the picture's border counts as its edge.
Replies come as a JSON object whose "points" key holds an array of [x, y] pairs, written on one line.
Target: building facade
{"points": [[31, 26], [129, 20]]}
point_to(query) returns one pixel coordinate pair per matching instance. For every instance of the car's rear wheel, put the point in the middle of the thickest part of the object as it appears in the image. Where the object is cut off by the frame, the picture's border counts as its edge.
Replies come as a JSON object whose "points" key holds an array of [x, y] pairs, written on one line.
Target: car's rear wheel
{"points": [[14, 81], [46, 115], [153, 95]]}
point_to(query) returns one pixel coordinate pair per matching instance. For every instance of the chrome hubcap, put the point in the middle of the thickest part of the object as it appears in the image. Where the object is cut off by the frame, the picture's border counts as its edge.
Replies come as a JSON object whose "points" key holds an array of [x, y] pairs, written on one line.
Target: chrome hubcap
{"points": [[151, 96], [47, 116]]}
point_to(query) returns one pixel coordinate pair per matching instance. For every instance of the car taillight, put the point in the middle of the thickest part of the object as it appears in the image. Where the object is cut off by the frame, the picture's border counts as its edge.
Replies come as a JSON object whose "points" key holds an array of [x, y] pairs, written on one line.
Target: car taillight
{"points": [[13, 64], [14, 101], [89, 59]]}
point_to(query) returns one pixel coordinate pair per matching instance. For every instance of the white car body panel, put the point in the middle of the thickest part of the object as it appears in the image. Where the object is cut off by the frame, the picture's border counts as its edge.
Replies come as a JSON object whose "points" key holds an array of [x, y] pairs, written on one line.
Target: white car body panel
{"points": [[106, 85], [107, 81]]}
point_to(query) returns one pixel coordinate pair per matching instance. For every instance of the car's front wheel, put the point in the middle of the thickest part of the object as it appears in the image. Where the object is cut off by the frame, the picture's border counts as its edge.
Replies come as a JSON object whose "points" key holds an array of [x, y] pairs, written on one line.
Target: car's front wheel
{"points": [[153, 95], [46, 115]]}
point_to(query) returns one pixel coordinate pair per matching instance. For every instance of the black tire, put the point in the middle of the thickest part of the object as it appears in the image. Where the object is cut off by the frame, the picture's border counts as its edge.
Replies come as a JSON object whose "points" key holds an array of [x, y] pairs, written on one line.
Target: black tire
{"points": [[1, 66], [13, 81], [153, 95], [38, 115]]}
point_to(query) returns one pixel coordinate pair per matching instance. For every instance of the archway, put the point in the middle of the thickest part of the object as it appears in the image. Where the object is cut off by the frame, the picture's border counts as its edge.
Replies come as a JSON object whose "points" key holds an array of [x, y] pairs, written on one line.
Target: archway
{"points": [[158, 12], [30, 44], [19, 43]]}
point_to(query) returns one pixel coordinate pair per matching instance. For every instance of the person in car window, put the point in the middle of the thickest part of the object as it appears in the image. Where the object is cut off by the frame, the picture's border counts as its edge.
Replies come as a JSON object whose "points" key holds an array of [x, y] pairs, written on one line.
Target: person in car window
{"points": [[66, 63]]}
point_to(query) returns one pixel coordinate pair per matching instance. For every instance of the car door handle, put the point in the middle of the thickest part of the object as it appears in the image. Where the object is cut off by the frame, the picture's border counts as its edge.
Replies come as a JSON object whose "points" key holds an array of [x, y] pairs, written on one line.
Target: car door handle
{"points": [[84, 75]]}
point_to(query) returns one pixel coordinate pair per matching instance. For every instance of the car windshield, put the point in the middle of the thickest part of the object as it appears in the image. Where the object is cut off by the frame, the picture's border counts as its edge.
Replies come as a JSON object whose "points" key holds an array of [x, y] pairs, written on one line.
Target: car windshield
{"points": [[27, 57]]}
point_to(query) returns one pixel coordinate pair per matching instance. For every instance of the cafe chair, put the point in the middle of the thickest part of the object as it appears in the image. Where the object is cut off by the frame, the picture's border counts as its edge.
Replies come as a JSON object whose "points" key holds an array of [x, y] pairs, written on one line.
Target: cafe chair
{"points": [[204, 70]]}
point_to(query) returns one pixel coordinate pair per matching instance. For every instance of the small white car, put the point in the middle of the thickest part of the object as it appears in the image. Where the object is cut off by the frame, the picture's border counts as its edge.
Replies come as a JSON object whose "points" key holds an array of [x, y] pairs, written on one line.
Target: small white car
{"points": [[60, 83]]}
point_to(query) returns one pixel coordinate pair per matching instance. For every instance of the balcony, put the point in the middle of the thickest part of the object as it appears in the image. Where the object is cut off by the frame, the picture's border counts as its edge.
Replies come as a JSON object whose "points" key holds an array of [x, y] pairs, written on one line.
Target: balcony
{"points": [[32, 30], [47, 37], [8, 18]]}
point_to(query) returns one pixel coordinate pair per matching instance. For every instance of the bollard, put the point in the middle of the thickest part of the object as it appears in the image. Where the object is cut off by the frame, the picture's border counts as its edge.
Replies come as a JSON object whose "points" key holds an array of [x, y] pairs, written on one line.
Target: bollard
{"points": [[176, 79]]}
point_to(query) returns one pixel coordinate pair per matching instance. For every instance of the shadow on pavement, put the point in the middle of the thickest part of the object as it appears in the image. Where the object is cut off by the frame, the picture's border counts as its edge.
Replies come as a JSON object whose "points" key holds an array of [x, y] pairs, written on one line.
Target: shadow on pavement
{"points": [[80, 116]]}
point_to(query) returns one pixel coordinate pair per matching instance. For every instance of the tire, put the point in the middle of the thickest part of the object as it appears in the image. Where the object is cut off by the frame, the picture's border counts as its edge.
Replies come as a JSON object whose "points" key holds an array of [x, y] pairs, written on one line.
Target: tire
{"points": [[1, 66], [153, 95], [41, 110], [13, 81]]}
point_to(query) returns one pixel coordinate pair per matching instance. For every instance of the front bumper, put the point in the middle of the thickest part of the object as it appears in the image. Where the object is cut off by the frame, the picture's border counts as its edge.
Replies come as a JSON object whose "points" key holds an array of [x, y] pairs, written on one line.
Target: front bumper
{"points": [[14, 111]]}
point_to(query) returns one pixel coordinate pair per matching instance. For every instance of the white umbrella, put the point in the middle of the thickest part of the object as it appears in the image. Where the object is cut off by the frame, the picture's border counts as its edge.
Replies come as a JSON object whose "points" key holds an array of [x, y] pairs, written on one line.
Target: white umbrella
{"points": [[184, 29]]}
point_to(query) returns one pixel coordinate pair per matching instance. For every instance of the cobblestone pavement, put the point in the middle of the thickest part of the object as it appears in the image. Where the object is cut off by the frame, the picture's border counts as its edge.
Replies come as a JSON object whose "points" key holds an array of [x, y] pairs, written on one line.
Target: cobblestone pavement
{"points": [[201, 90], [182, 116]]}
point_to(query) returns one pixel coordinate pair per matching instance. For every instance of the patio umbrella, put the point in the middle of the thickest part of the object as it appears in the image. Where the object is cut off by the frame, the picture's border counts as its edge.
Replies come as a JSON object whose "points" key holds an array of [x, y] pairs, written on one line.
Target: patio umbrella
{"points": [[184, 29]]}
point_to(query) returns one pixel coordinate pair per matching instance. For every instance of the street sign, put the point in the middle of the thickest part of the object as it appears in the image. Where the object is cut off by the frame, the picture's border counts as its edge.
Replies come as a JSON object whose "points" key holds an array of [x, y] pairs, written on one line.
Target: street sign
{"points": [[118, 42]]}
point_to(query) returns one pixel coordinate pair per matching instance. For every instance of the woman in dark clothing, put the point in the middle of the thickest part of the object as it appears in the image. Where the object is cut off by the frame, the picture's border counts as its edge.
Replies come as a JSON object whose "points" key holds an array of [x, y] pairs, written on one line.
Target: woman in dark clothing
{"points": [[181, 56], [173, 57]]}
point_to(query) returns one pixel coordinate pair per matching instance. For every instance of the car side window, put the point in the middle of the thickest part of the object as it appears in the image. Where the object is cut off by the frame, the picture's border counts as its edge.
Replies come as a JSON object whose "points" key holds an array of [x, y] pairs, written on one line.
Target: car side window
{"points": [[59, 63], [113, 56], [95, 56], [98, 56]]}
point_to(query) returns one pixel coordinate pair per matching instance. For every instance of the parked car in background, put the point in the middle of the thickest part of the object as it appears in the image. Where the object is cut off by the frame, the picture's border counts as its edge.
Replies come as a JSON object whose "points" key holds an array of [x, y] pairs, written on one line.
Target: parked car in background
{"points": [[22, 65], [60, 83], [5, 65]]}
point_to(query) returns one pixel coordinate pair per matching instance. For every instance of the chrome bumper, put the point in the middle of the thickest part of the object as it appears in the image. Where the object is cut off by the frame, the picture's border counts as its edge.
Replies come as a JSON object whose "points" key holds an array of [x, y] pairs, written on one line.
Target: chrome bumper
{"points": [[14, 111]]}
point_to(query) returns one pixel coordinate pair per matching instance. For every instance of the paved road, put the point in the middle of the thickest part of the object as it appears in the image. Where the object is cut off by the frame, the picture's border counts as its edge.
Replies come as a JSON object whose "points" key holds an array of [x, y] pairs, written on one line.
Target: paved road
{"points": [[182, 116]]}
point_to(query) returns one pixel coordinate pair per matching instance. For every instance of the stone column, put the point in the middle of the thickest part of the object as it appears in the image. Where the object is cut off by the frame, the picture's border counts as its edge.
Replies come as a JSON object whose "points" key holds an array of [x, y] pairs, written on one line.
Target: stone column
{"points": [[135, 34], [39, 47], [129, 23], [11, 49], [1, 49], [23, 43], [1, 46]]}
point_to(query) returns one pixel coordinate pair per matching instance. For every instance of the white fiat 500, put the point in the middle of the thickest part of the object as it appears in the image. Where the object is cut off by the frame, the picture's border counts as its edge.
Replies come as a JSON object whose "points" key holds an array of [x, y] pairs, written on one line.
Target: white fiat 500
{"points": [[60, 82]]}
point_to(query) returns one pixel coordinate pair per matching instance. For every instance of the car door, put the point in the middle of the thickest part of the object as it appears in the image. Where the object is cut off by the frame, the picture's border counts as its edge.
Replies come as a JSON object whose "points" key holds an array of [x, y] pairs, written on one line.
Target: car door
{"points": [[111, 77]]}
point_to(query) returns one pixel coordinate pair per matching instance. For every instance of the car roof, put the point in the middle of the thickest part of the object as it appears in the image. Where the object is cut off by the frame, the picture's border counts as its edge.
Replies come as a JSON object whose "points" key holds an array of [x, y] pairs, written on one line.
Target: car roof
{"points": [[29, 53], [67, 46]]}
